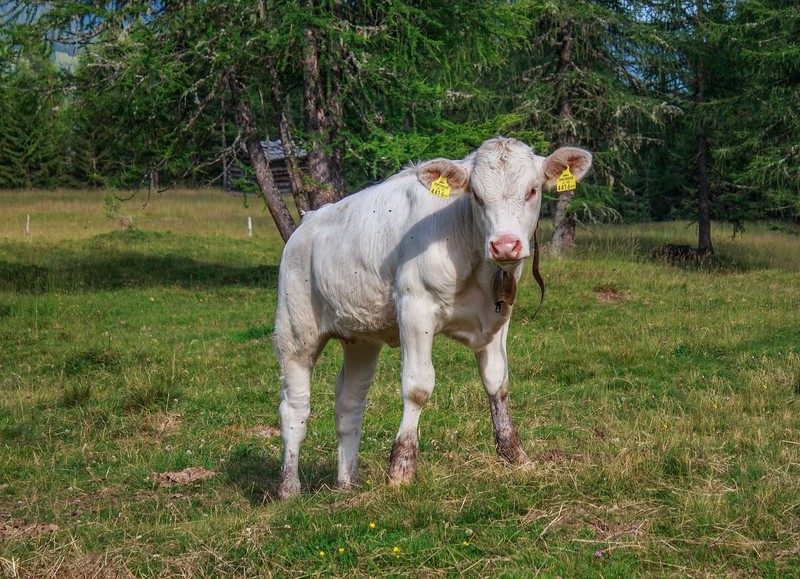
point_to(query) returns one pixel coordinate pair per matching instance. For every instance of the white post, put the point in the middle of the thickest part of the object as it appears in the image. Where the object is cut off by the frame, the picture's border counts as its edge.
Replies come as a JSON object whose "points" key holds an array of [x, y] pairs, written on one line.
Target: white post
{"points": [[28, 225], [249, 227]]}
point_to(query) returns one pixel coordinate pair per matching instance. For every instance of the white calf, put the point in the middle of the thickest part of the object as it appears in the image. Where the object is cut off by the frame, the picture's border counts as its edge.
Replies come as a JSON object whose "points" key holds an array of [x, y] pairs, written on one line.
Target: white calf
{"points": [[435, 249]]}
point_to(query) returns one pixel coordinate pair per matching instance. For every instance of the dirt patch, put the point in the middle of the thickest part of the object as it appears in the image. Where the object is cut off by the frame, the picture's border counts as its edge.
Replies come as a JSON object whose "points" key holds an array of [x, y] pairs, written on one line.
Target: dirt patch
{"points": [[186, 476], [168, 423], [268, 431], [160, 424], [611, 297], [18, 530], [94, 502], [607, 293]]}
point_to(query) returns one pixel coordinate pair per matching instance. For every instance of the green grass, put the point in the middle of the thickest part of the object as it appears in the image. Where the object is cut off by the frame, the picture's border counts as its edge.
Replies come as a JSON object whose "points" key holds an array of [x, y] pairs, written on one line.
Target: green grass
{"points": [[660, 403]]}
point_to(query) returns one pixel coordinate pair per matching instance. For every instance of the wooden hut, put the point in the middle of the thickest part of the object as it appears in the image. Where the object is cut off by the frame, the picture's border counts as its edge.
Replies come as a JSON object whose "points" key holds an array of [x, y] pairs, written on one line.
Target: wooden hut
{"points": [[235, 174]]}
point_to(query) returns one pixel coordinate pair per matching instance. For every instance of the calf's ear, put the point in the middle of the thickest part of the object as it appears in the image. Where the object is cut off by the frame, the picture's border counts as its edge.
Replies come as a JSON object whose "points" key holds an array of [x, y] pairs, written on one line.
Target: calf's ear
{"points": [[457, 175], [579, 162]]}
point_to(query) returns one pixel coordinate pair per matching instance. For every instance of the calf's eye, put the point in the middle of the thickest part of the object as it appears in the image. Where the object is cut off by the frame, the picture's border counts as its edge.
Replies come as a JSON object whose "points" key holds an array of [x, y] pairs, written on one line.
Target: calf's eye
{"points": [[531, 194]]}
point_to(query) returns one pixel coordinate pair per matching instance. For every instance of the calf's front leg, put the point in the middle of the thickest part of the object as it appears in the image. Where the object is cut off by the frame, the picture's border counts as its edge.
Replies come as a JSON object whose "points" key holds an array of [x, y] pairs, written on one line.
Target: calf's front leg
{"points": [[493, 368], [418, 378]]}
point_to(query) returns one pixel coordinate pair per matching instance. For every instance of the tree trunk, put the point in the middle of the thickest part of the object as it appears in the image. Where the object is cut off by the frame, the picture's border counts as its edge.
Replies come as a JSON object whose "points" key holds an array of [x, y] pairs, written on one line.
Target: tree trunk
{"points": [[225, 183], [704, 247], [154, 185], [249, 132], [563, 241], [324, 161], [336, 122], [299, 192], [564, 225]]}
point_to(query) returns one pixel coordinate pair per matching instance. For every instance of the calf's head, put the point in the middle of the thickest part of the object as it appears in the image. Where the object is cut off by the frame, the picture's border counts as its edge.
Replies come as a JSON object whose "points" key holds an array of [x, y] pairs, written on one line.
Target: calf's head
{"points": [[505, 180]]}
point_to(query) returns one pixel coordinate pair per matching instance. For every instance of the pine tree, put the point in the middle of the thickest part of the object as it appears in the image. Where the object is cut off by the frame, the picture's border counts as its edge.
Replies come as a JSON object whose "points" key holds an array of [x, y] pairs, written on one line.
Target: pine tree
{"points": [[760, 118], [32, 126], [732, 69], [579, 85]]}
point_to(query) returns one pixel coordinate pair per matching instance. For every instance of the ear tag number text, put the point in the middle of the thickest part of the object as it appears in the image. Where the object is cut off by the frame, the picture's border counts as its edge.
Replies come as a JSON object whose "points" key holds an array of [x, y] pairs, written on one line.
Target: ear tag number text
{"points": [[440, 187], [566, 182]]}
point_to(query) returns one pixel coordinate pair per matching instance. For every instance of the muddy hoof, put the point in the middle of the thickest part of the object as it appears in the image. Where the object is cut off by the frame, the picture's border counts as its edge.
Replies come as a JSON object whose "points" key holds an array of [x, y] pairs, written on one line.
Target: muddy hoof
{"points": [[289, 489], [403, 461]]}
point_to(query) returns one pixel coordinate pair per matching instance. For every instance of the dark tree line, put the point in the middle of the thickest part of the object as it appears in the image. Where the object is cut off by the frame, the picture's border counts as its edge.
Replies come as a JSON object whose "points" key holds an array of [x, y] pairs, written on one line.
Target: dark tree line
{"points": [[690, 106]]}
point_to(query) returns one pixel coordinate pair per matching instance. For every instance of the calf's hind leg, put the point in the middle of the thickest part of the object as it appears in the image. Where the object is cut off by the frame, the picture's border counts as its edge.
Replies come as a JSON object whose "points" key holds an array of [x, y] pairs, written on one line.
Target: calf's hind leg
{"points": [[294, 410], [355, 379]]}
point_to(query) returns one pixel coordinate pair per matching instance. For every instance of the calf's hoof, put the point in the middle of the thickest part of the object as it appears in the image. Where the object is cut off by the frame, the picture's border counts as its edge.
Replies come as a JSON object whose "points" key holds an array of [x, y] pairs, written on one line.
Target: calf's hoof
{"points": [[511, 451], [522, 459], [346, 485], [400, 476], [288, 488], [403, 461]]}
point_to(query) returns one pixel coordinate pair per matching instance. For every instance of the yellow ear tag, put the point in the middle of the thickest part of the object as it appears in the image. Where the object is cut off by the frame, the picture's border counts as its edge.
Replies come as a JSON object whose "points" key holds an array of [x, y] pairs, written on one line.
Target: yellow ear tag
{"points": [[440, 187], [566, 182]]}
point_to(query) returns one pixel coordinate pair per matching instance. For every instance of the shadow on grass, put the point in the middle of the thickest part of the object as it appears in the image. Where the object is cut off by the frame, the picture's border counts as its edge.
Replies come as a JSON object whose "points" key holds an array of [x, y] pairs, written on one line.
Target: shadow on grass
{"points": [[129, 259], [258, 477], [128, 269], [687, 258]]}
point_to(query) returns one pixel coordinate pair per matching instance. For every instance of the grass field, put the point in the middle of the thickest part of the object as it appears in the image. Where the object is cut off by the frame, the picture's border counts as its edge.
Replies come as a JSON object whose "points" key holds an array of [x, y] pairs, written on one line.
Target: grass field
{"points": [[661, 404]]}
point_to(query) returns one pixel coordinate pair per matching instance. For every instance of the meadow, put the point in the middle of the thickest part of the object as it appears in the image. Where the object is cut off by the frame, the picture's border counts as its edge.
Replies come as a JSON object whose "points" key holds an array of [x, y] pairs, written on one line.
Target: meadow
{"points": [[139, 394]]}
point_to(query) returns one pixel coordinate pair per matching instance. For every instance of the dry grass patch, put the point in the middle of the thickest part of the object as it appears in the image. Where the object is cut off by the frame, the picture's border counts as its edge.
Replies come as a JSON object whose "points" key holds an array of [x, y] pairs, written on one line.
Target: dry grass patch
{"points": [[20, 530], [183, 477], [265, 431], [76, 566]]}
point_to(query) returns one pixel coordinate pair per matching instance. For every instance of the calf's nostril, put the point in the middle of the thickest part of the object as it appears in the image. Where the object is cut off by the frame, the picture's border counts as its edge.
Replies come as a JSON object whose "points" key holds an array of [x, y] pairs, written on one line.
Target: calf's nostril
{"points": [[505, 248]]}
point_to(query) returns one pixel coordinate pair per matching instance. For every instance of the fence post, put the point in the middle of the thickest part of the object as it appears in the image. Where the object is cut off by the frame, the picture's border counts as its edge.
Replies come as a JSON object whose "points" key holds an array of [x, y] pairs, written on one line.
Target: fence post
{"points": [[28, 225], [249, 227]]}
